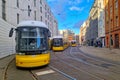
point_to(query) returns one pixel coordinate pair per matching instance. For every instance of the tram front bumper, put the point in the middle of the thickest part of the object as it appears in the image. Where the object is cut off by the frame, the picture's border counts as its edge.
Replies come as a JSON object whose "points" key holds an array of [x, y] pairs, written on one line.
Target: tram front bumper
{"points": [[58, 48], [28, 61]]}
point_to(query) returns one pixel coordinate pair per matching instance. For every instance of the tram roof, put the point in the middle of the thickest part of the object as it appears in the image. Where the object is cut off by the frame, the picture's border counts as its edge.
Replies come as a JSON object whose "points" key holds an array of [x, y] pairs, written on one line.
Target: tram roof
{"points": [[57, 37], [32, 23], [73, 40]]}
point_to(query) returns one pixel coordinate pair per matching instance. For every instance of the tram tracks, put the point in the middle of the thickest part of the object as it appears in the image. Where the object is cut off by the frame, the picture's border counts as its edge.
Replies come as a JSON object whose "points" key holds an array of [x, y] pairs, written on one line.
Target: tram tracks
{"points": [[5, 69], [76, 62], [95, 62], [111, 73], [62, 73], [10, 72], [33, 75], [75, 70]]}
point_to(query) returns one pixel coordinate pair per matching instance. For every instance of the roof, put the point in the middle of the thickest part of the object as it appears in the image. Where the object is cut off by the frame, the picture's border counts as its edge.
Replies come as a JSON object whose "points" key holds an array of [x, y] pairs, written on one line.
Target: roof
{"points": [[32, 23]]}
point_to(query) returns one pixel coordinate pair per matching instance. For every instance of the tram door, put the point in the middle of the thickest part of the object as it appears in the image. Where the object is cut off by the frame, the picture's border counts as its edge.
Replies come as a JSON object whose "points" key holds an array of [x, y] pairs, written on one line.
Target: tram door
{"points": [[116, 41]]}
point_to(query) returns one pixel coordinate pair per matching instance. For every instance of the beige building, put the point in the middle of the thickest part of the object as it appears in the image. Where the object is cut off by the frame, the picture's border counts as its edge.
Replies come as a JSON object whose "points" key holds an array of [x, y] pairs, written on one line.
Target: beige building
{"points": [[14, 11], [67, 34], [82, 34]]}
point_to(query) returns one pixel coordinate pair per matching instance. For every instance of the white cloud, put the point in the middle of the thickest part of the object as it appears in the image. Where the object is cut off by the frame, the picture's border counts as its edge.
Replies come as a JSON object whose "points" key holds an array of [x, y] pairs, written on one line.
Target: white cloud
{"points": [[74, 8], [74, 2], [88, 1], [51, 0]]}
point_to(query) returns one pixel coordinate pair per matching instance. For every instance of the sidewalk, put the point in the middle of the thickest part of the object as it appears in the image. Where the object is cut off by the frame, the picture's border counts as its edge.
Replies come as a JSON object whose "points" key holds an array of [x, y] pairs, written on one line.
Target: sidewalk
{"points": [[3, 64], [105, 53]]}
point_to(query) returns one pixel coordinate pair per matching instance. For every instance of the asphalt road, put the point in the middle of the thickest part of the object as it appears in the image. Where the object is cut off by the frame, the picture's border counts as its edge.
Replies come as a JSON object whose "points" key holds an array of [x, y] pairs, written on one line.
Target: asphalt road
{"points": [[70, 64]]}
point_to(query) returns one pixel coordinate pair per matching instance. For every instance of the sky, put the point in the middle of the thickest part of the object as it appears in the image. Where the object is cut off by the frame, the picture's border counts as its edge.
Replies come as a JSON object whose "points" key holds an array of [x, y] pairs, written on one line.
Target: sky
{"points": [[70, 14]]}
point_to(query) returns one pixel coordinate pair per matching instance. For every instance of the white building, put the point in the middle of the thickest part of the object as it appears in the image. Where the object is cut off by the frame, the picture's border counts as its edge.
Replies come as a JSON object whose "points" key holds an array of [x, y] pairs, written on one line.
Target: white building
{"points": [[14, 11], [83, 32], [96, 28], [101, 24], [67, 34]]}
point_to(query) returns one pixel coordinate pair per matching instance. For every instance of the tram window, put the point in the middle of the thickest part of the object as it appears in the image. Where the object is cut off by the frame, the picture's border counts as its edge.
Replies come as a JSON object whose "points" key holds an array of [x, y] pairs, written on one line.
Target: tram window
{"points": [[33, 43], [33, 39], [57, 42]]}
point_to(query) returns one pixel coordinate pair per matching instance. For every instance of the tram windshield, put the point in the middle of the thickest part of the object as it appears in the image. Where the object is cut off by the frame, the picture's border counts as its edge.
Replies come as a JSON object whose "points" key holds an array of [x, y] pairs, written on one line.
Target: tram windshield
{"points": [[57, 42], [73, 42], [32, 39]]}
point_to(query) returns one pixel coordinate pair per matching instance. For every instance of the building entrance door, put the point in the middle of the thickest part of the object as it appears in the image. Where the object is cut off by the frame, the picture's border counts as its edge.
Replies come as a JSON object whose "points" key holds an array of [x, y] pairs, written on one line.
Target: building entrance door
{"points": [[116, 41]]}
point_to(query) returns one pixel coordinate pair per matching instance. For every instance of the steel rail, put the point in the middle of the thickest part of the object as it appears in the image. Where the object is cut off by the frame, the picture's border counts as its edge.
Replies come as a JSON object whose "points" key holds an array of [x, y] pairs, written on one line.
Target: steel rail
{"points": [[93, 75], [33, 75], [85, 54], [105, 62], [5, 69], [64, 74]]}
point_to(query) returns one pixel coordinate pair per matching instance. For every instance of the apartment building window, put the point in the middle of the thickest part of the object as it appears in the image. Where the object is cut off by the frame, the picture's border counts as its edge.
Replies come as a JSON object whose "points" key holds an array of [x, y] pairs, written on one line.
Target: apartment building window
{"points": [[45, 14], [48, 17], [111, 10], [117, 21], [41, 18], [34, 3], [45, 7], [116, 3], [18, 3], [4, 9], [40, 1], [111, 22], [46, 22], [48, 10], [110, 2], [111, 38], [51, 19], [18, 18], [100, 5], [41, 9], [29, 10], [34, 15], [106, 14]]}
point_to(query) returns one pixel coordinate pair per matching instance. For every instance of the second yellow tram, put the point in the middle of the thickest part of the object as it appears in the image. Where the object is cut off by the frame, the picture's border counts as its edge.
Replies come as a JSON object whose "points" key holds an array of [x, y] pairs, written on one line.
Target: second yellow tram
{"points": [[58, 43], [73, 43]]}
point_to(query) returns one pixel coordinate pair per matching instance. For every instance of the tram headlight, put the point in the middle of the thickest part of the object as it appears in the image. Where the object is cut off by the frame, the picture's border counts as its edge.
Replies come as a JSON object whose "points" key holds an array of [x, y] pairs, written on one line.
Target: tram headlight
{"points": [[45, 52], [21, 53]]}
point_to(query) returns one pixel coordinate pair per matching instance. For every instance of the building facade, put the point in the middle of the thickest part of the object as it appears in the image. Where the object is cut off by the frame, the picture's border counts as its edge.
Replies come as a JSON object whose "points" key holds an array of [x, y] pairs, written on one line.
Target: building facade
{"points": [[14, 11], [112, 23], [101, 22], [82, 35], [67, 34], [87, 34], [77, 38], [93, 24], [95, 27]]}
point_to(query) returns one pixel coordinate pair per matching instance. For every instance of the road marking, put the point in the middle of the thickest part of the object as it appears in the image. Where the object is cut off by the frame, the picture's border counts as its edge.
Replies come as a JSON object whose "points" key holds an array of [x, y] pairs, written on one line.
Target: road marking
{"points": [[45, 72]]}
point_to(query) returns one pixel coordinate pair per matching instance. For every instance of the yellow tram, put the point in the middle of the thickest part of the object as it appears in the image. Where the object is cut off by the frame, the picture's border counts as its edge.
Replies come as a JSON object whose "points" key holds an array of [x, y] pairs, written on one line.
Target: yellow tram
{"points": [[73, 43], [32, 47], [58, 43]]}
